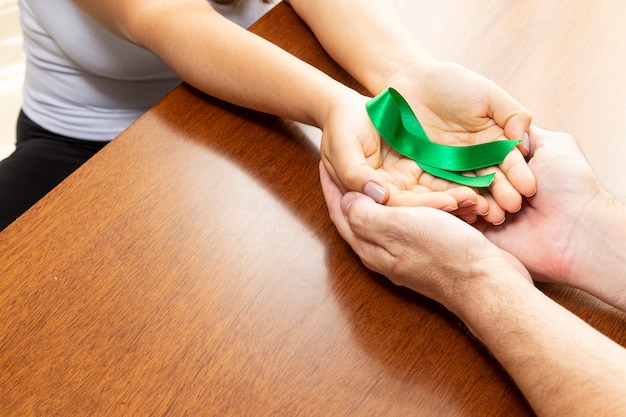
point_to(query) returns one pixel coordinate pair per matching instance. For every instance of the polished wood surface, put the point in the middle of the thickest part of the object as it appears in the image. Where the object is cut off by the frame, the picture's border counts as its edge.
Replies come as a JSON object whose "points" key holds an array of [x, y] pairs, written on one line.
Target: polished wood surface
{"points": [[190, 268]]}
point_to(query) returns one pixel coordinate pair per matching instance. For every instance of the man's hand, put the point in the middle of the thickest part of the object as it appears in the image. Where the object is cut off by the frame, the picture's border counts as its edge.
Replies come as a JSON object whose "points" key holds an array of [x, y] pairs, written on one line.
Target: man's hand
{"points": [[572, 232], [427, 250]]}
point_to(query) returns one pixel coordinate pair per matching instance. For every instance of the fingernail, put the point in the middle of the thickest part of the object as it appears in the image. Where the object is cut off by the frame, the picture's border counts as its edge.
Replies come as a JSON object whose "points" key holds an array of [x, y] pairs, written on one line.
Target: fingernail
{"points": [[526, 142], [500, 222], [375, 191], [448, 209], [347, 201], [467, 203], [532, 194]]}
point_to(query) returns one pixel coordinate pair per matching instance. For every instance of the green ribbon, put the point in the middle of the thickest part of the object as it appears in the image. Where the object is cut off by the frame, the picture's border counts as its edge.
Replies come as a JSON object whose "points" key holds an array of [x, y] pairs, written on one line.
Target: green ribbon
{"points": [[397, 124]]}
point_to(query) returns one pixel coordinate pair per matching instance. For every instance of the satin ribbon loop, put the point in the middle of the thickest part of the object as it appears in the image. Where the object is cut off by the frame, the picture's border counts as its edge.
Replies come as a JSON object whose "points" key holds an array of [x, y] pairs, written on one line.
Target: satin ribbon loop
{"points": [[397, 124]]}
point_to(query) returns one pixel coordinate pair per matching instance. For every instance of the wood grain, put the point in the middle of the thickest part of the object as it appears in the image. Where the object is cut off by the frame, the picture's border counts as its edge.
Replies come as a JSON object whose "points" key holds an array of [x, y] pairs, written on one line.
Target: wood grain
{"points": [[190, 268]]}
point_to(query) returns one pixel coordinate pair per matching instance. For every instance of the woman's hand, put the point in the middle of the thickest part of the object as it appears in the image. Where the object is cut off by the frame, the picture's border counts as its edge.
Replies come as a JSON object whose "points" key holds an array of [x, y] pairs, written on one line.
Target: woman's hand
{"points": [[359, 160], [459, 107]]}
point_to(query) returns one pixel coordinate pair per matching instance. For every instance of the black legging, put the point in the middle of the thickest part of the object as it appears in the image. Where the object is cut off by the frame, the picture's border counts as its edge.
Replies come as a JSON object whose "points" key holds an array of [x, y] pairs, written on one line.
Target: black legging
{"points": [[41, 160]]}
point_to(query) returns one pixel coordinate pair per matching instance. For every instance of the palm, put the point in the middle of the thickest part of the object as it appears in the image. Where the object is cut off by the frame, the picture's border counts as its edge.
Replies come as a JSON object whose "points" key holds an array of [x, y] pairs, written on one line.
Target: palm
{"points": [[541, 234], [353, 134], [452, 103], [456, 107], [459, 107]]}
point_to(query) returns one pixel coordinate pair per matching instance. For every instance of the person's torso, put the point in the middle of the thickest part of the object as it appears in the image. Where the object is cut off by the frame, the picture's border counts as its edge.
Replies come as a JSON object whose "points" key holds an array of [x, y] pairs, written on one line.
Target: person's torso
{"points": [[84, 82]]}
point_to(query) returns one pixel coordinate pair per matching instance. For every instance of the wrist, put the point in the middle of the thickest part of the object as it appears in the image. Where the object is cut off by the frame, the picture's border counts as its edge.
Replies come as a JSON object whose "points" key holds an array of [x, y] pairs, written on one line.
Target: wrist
{"points": [[490, 281], [481, 307], [342, 98], [396, 56], [405, 73]]}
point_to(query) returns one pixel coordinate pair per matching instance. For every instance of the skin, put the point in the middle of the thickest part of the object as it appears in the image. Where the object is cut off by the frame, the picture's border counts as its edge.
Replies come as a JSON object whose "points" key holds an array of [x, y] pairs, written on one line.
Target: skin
{"points": [[364, 37], [558, 232], [456, 106], [563, 366]]}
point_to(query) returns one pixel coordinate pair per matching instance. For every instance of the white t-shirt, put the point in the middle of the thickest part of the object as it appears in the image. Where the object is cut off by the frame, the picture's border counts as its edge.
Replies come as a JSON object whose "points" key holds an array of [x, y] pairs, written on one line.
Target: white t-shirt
{"points": [[84, 82]]}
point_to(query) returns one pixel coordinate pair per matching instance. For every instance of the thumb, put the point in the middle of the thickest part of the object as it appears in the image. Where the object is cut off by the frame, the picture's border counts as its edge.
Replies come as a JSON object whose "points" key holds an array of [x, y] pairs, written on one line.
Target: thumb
{"points": [[367, 219], [517, 128], [360, 177], [509, 114]]}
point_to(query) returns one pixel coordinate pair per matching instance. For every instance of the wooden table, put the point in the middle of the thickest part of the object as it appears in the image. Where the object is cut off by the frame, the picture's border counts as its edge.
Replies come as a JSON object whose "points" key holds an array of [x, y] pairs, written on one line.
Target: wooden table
{"points": [[190, 269]]}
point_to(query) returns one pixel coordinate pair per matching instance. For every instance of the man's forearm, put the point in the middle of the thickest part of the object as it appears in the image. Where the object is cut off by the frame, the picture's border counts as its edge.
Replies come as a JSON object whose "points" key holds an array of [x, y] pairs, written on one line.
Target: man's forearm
{"points": [[599, 259], [561, 364]]}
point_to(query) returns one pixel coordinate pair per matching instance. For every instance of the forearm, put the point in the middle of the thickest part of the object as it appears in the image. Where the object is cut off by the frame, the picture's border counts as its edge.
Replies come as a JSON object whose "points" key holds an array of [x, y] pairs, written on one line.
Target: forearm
{"points": [[366, 37], [598, 263], [563, 366], [222, 59]]}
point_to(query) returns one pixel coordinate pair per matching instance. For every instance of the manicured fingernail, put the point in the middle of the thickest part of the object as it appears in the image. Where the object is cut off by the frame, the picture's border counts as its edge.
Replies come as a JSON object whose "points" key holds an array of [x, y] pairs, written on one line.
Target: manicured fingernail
{"points": [[375, 191], [526, 142], [532, 194]]}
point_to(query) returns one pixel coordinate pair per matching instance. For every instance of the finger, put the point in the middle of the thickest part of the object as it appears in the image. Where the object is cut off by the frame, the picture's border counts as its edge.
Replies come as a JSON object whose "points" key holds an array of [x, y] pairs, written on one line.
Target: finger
{"points": [[351, 170], [397, 229], [371, 254], [517, 172], [435, 183], [468, 199], [333, 197], [510, 115], [435, 199], [469, 202], [504, 194], [371, 230], [372, 222], [469, 218], [496, 214]]}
